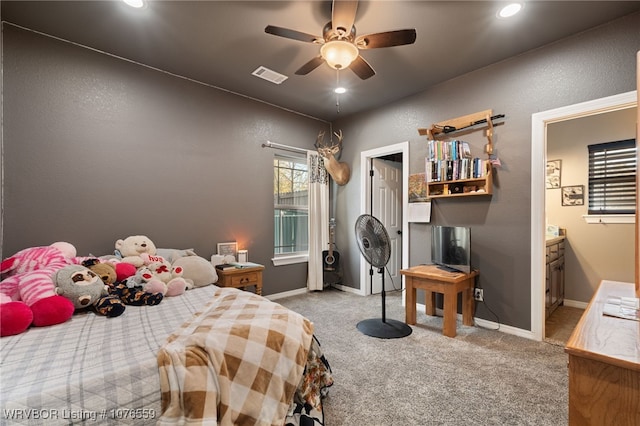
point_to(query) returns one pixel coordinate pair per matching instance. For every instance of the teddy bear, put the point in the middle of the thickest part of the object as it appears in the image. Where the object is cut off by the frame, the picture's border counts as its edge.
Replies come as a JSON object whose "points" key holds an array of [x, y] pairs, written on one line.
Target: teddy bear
{"points": [[130, 249], [160, 277], [27, 290], [129, 295], [85, 289]]}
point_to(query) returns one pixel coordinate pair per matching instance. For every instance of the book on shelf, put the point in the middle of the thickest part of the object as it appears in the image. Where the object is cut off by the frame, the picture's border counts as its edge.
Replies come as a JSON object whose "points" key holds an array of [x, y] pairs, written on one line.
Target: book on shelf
{"points": [[452, 160], [448, 150], [447, 170], [242, 265], [225, 266], [622, 307]]}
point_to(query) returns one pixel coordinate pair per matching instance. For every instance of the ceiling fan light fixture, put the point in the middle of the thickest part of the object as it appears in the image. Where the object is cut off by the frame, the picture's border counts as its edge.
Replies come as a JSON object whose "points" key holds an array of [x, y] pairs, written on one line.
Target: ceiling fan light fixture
{"points": [[510, 10], [135, 3], [339, 53]]}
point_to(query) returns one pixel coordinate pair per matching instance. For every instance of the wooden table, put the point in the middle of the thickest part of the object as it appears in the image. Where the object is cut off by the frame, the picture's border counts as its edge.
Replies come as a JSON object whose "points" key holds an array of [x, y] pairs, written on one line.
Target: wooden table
{"points": [[433, 280], [604, 364], [241, 278]]}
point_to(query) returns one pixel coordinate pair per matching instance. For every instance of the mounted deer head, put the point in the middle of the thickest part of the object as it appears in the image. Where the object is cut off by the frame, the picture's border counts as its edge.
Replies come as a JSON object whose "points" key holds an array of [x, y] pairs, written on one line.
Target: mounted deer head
{"points": [[339, 171]]}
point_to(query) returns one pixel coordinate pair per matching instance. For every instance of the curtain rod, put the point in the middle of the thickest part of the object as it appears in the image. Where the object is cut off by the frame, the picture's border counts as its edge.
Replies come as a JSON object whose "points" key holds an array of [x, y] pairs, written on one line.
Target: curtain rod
{"points": [[274, 145]]}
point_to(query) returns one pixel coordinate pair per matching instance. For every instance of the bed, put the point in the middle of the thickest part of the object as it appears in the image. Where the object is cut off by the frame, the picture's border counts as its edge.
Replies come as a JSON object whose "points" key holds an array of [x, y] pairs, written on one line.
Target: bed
{"points": [[139, 368]]}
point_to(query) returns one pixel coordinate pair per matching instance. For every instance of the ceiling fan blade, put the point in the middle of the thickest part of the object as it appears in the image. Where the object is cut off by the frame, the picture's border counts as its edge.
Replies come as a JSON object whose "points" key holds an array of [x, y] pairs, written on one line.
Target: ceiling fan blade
{"points": [[343, 15], [310, 66], [386, 39], [362, 68], [293, 34]]}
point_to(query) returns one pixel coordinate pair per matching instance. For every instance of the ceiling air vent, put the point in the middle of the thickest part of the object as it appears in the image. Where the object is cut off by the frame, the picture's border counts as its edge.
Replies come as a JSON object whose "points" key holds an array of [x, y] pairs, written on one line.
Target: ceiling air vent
{"points": [[269, 75]]}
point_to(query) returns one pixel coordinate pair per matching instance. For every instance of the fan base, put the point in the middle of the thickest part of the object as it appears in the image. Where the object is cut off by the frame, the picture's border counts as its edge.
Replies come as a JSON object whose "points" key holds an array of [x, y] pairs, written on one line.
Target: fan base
{"points": [[388, 329]]}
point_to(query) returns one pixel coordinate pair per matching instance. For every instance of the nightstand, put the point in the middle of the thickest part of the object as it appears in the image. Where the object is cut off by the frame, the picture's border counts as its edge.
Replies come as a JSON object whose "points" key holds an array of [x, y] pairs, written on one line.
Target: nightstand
{"points": [[241, 278]]}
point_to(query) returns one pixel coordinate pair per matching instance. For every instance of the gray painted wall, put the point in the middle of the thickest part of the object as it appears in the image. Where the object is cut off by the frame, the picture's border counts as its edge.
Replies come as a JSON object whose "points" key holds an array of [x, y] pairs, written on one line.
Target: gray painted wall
{"points": [[594, 64], [97, 148]]}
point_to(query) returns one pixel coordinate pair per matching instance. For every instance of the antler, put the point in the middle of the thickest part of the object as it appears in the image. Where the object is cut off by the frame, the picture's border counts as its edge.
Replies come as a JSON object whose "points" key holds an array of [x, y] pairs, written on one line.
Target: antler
{"points": [[331, 150], [319, 140], [339, 136]]}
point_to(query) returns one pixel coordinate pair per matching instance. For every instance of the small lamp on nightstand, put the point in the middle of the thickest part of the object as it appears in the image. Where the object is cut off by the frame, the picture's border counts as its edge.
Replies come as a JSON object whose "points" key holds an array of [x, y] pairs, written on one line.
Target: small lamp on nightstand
{"points": [[243, 256]]}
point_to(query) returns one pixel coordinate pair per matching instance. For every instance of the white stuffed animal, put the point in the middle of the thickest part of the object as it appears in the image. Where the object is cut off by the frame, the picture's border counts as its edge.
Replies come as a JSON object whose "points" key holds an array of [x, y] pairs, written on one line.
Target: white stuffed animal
{"points": [[131, 249], [161, 277]]}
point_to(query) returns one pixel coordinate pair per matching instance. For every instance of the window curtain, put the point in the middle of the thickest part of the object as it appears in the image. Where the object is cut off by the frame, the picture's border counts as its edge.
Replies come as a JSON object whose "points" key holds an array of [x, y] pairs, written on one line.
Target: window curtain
{"points": [[318, 219]]}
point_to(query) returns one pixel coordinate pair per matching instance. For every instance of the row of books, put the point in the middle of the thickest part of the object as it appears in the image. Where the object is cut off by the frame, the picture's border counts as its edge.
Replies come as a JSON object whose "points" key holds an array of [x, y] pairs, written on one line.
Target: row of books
{"points": [[447, 150], [465, 168]]}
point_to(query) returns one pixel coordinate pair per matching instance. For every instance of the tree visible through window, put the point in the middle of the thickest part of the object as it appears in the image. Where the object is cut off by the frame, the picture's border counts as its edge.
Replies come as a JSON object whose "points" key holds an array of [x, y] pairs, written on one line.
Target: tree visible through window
{"points": [[290, 200], [612, 177]]}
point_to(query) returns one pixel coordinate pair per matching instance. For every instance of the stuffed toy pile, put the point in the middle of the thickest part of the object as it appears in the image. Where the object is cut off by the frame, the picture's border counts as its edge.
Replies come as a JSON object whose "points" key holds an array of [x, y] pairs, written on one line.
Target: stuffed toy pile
{"points": [[43, 286], [168, 266], [118, 284], [27, 291], [85, 289]]}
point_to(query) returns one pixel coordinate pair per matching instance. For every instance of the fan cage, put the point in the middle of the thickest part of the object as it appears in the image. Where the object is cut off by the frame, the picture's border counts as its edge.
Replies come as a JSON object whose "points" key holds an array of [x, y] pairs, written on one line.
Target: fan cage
{"points": [[373, 240]]}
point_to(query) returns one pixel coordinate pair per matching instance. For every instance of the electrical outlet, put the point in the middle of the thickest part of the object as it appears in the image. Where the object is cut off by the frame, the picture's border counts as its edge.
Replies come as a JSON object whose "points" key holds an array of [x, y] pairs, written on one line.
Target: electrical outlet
{"points": [[478, 294]]}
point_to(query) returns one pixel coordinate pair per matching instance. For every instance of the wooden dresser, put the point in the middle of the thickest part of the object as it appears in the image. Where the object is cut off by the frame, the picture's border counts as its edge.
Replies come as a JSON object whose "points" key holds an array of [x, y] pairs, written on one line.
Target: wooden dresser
{"points": [[604, 364]]}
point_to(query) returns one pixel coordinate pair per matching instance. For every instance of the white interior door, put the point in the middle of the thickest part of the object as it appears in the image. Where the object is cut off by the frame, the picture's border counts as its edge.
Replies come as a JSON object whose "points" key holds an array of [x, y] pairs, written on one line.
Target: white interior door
{"points": [[387, 208]]}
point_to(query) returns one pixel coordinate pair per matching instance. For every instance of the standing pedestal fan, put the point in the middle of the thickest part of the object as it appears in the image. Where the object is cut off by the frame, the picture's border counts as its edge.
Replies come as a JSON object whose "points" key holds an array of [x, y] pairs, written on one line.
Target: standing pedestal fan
{"points": [[374, 244]]}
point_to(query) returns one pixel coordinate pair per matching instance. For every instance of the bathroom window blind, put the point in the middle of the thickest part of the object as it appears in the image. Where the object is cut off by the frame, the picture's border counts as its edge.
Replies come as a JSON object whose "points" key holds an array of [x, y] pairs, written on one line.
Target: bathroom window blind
{"points": [[612, 177]]}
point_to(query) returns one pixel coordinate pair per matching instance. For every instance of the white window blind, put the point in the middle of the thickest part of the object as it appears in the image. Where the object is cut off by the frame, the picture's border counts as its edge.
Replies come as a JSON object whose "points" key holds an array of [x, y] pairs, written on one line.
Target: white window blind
{"points": [[612, 177]]}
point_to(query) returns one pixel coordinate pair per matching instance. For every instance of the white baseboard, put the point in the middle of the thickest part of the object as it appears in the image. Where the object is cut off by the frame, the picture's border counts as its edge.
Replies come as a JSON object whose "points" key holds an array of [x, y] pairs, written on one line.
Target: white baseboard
{"points": [[527, 334], [575, 304], [299, 291], [348, 289], [284, 294]]}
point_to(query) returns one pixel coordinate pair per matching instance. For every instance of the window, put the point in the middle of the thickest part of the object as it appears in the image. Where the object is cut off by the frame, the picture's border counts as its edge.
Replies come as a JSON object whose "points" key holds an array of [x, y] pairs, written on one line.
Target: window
{"points": [[291, 211], [612, 178]]}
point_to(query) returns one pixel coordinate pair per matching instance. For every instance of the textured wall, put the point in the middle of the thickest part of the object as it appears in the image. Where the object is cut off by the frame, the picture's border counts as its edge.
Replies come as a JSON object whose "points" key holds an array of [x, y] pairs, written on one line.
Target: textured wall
{"points": [[97, 148], [594, 64]]}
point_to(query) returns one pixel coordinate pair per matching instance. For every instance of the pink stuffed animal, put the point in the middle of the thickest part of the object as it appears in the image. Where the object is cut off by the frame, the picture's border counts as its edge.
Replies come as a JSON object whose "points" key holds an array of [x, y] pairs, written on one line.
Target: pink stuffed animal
{"points": [[27, 292]]}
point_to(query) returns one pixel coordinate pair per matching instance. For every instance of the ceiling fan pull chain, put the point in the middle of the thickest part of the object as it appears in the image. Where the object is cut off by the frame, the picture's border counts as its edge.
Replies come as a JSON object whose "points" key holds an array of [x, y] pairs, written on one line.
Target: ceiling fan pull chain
{"points": [[337, 94]]}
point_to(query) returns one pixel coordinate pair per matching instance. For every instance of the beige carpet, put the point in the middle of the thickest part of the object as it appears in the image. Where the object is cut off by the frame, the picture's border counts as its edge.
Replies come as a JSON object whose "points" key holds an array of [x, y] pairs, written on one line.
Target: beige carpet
{"points": [[481, 377]]}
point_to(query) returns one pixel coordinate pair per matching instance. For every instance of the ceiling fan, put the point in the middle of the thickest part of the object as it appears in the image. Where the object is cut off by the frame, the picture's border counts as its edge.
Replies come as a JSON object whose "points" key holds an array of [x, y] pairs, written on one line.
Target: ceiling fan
{"points": [[339, 45]]}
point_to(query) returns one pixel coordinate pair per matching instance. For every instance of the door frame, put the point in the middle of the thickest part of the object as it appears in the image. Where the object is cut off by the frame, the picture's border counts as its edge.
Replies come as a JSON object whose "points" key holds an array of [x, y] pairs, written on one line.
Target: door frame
{"points": [[365, 157], [539, 122]]}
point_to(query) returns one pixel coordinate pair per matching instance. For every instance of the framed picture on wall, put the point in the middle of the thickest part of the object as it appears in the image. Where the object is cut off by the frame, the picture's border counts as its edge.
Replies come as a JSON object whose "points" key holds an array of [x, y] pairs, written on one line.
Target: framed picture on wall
{"points": [[554, 169], [573, 195], [225, 249]]}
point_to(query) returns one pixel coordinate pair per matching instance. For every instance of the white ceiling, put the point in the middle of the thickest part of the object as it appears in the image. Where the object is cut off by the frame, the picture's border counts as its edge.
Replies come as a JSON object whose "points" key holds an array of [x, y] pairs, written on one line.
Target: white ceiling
{"points": [[222, 42]]}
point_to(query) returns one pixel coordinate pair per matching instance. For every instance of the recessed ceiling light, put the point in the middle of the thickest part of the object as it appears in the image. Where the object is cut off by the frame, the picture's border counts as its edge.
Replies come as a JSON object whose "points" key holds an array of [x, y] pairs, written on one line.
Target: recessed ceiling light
{"points": [[340, 90], [134, 3], [510, 10]]}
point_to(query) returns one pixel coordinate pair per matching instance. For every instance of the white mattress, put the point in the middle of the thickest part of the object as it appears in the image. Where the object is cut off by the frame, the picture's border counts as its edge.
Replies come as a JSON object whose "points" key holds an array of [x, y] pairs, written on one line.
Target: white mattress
{"points": [[91, 368]]}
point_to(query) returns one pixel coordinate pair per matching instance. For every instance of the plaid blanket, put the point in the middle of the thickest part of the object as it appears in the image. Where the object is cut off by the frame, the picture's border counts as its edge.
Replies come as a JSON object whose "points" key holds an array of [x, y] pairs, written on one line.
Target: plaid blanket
{"points": [[239, 361]]}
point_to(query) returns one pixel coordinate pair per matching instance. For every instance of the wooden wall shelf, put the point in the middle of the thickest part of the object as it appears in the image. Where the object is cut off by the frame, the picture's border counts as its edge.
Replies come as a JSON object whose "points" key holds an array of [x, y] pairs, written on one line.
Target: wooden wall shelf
{"points": [[478, 121]]}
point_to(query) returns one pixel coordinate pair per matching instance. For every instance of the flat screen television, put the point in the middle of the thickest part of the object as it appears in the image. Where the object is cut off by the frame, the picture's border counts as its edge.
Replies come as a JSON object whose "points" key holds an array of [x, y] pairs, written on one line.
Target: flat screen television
{"points": [[451, 248]]}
